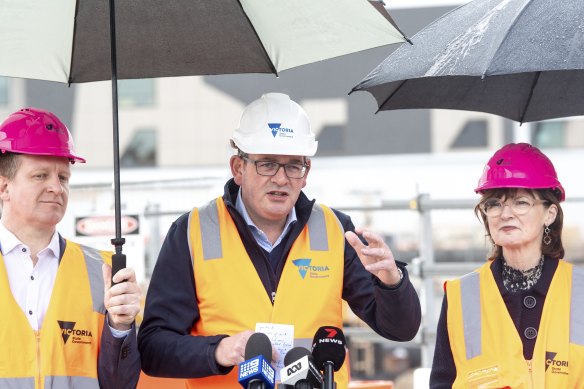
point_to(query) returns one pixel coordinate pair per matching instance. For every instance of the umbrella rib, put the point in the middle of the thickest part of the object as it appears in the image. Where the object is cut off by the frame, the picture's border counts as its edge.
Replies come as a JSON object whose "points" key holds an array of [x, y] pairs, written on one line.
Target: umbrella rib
{"points": [[259, 40], [506, 34], [70, 80], [390, 96], [383, 11], [533, 85]]}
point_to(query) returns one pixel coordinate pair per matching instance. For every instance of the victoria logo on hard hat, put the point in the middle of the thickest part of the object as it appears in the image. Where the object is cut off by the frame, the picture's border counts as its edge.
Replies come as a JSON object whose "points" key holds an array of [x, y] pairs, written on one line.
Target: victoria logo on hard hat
{"points": [[52, 127], [277, 128]]}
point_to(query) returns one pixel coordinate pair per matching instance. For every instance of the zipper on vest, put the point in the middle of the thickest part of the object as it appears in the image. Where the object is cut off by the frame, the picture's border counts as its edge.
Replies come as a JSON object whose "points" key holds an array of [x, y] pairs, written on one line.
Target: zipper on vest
{"points": [[273, 298], [38, 347], [530, 371]]}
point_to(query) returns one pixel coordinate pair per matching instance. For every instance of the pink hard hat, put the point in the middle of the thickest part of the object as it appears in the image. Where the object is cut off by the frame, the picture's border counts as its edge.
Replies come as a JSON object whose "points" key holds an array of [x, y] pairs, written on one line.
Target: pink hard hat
{"points": [[520, 165], [37, 132]]}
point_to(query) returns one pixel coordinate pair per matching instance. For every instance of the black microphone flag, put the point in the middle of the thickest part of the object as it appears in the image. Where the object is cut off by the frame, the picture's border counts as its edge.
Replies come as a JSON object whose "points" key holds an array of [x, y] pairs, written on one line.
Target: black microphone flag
{"points": [[328, 350], [328, 345]]}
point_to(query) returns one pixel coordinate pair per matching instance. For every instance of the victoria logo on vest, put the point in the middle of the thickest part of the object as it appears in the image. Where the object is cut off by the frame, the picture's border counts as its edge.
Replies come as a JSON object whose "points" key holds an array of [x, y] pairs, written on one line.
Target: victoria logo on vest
{"points": [[313, 271], [558, 366], [77, 335]]}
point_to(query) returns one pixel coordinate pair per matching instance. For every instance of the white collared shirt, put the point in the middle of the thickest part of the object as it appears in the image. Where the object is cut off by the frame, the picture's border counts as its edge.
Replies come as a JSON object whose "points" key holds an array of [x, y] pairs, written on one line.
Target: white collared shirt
{"points": [[31, 286]]}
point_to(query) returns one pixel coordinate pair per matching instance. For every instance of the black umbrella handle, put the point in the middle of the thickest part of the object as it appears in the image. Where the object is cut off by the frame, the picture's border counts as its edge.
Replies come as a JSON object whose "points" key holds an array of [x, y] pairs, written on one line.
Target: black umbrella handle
{"points": [[118, 259]]}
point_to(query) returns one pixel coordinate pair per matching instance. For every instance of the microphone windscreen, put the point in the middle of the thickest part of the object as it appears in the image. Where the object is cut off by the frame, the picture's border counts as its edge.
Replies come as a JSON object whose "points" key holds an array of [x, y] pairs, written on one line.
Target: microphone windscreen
{"points": [[258, 344], [328, 345], [295, 354]]}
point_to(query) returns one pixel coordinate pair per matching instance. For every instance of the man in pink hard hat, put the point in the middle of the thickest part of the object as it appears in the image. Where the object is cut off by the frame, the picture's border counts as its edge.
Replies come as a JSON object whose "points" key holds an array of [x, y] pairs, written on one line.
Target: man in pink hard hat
{"points": [[515, 322], [62, 325]]}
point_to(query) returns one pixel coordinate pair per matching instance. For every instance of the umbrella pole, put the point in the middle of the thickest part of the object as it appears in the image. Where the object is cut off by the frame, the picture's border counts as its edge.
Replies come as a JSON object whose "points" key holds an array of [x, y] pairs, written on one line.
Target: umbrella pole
{"points": [[118, 259]]}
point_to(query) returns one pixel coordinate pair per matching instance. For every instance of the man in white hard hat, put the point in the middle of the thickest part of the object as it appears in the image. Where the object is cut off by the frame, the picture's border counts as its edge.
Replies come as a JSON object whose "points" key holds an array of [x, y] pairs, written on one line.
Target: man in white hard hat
{"points": [[265, 253]]}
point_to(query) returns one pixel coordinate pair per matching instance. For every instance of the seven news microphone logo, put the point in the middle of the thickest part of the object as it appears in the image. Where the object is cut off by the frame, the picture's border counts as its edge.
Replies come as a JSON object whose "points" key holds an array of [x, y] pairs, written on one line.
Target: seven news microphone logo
{"points": [[331, 336], [78, 336], [332, 332]]}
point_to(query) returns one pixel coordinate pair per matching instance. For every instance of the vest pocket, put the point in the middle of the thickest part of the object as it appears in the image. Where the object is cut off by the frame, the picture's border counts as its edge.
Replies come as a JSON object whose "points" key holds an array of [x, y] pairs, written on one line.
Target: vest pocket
{"points": [[483, 378]]}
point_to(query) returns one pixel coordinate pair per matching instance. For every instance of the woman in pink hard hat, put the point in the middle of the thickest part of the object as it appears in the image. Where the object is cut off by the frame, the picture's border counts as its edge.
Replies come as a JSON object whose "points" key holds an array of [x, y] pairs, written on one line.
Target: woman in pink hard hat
{"points": [[515, 322], [62, 324]]}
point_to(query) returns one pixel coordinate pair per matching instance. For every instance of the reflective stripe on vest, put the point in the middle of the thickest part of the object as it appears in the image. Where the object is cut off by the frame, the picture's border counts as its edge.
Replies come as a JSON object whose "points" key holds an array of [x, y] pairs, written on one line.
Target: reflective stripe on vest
{"points": [[576, 304], [470, 291], [17, 383], [211, 236], [317, 229], [50, 382], [94, 261], [71, 383]]}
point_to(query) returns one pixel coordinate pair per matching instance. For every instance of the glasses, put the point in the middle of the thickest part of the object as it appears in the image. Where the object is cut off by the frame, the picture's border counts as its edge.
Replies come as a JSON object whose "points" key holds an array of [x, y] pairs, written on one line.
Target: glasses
{"points": [[270, 168], [519, 206]]}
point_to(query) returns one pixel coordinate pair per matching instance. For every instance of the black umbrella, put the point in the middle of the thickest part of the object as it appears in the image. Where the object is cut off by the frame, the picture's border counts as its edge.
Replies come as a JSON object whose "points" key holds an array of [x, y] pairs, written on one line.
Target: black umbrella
{"points": [[520, 59], [73, 41]]}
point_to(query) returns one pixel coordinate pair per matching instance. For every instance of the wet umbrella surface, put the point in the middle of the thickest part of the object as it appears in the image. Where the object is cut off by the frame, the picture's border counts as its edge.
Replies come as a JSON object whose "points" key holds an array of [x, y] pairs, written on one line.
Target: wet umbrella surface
{"points": [[521, 59]]}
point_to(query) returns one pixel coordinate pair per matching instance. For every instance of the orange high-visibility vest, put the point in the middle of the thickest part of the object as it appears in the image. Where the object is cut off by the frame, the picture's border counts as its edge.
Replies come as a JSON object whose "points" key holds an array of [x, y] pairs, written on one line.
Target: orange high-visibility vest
{"points": [[487, 350], [63, 353], [232, 298]]}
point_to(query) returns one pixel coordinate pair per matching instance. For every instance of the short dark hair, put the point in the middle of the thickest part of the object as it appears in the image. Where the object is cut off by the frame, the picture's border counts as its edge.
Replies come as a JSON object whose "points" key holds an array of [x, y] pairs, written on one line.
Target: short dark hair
{"points": [[9, 163], [555, 249]]}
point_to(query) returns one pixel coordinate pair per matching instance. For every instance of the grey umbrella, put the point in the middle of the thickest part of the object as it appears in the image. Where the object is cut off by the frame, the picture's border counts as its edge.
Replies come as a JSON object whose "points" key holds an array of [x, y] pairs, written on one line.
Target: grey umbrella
{"points": [[520, 59]]}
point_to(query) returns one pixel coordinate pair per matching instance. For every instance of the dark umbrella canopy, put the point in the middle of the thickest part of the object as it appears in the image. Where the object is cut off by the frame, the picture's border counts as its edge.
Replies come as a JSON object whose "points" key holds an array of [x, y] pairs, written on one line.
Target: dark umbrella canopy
{"points": [[187, 37], [69, 41], [157, 39], [520, 59]]}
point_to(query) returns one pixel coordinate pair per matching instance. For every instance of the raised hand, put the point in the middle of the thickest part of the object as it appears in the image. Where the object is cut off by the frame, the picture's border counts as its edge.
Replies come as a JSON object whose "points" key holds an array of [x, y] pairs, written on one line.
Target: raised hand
{"points": [[376, 256]]}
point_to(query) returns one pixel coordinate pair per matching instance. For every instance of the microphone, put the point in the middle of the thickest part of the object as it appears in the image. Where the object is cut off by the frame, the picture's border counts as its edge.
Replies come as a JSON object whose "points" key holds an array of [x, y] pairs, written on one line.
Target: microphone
{"points": [[299, 371], [328, 350], [256, 372]]}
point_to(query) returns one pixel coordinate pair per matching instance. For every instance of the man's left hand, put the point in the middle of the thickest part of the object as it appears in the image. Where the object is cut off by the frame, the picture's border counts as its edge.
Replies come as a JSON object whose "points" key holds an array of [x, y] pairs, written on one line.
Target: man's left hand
{"points": [[376, 256], [122, 300]]}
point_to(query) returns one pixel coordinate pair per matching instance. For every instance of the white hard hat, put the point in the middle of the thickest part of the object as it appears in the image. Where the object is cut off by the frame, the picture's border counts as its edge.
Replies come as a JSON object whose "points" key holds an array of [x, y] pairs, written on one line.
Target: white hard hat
{"points": [[274, 124]]}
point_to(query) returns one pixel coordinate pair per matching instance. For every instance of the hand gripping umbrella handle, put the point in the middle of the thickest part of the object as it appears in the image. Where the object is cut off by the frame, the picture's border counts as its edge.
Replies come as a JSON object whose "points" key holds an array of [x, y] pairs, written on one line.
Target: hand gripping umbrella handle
{"points": [[119, 258]]}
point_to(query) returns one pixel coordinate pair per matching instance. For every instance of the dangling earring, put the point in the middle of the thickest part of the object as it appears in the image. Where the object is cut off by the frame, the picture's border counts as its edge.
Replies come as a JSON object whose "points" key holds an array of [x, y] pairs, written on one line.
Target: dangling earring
{"points": [[547, 239]]}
